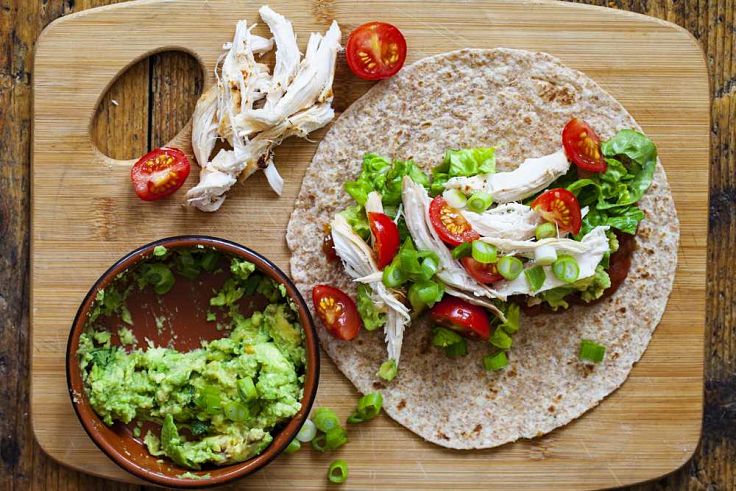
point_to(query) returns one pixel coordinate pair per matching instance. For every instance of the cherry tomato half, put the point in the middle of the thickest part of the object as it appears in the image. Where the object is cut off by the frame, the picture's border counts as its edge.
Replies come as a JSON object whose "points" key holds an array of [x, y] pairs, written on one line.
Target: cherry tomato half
{"points": [[560, 206], [337, 312], [159, 173], [375, 51], [461, 316], [482, 273], [583, 146], [450, 224], [386, 238]]}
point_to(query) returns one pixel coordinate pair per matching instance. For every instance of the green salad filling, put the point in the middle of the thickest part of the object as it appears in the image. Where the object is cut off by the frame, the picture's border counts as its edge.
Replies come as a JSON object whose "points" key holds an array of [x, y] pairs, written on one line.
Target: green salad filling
{"points": [[531, 266]]}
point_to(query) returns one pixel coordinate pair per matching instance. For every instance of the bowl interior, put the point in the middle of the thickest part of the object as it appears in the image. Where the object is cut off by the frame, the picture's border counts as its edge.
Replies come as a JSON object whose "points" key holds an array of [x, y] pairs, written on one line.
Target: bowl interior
{"points": [[178, 319]]}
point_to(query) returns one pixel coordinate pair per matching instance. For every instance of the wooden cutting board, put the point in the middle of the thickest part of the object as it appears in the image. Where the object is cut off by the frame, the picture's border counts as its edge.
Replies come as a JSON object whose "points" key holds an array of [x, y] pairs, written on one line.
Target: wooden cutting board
{"points": [[85, 216]]}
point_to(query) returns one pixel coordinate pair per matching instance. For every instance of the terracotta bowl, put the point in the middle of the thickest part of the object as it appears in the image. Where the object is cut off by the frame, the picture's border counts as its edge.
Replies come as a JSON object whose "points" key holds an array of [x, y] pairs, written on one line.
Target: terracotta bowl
{"points": [[185, 308]]}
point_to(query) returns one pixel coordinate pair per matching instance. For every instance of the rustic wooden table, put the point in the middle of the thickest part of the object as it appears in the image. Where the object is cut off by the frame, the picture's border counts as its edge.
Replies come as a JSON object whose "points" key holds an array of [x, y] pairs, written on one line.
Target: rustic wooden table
{"points": [[154, 99]]}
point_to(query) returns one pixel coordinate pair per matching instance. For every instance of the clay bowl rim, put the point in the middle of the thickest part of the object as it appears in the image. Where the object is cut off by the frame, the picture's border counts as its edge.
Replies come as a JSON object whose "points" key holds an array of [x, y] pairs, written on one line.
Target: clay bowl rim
{"points": [[230, 472]]}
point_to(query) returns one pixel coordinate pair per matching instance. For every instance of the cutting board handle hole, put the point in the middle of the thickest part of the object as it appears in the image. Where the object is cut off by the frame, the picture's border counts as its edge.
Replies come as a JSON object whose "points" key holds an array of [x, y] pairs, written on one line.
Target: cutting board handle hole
{"points": [[148, 105]]}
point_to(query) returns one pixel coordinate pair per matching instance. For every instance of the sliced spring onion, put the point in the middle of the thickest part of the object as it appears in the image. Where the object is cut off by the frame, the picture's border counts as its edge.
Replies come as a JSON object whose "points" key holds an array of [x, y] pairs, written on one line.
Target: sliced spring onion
{"points": [[325, 419], [237, 411], [293, 447], [483, 252], [457, 349], [393, 276], [368, 408], [591, 351], [455, 198], [388, 370], [463, 250], [319, 442], [338, 471], [566, 269], [513, 313], [307, 432], [443, 337], [430, 265], [409, 261], [544, 255], [370, 405], [500, 339], [247, 389], [495, 362], [510, 267], [424, 294], [479, 202], [535, 277], [209, 399], [545, 230], [336, 438]]}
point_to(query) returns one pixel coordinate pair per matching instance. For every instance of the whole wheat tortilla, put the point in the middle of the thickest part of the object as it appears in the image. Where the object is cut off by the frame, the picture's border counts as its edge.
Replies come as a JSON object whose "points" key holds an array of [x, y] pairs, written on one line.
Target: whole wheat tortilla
{"points": [[517, 101]]}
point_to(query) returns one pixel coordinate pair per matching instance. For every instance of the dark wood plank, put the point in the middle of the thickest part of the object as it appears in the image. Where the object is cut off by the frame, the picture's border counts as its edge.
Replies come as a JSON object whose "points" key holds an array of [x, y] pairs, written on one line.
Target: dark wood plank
{"points": [[154, 100], [176, 83]]}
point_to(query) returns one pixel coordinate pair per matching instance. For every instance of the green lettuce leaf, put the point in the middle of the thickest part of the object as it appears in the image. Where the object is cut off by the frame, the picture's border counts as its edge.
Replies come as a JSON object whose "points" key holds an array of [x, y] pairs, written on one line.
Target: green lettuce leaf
{"points": [[358, 220], [612, 196], [380, 174], [465, 162]]}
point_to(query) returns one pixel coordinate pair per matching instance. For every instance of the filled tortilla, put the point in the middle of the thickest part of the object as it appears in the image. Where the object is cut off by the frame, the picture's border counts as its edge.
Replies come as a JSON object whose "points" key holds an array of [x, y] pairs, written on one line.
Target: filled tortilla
{"points": [[517, 102]]}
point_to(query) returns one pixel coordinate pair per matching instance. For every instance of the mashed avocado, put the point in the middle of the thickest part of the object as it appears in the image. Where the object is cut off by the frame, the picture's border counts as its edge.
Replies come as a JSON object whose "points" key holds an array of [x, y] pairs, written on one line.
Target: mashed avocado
{"points": [[217, 404]]}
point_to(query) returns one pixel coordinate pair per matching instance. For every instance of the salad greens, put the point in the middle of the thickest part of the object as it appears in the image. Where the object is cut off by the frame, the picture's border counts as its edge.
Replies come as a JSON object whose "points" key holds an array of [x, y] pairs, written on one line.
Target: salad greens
{"points": [[466, 163], [381, 175], [612, 196]]}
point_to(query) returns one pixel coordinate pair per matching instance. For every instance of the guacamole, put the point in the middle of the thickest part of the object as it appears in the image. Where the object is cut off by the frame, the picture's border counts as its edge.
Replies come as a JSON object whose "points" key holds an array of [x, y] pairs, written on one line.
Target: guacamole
{"points": [[217, 404]]}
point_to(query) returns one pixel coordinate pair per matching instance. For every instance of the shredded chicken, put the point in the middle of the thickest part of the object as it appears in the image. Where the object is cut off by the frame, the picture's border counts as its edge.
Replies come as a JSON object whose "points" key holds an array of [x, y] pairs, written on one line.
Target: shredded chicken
{"points": [[507, 221], [374, 204], [527, 247], [357, 257], [450, 272], [254, 110], [532, 176], [587, 253]]}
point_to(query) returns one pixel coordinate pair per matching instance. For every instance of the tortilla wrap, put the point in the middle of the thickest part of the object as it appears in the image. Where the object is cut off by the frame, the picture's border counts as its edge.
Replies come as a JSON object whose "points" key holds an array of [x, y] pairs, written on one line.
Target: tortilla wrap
{"points": [[517, 101]]}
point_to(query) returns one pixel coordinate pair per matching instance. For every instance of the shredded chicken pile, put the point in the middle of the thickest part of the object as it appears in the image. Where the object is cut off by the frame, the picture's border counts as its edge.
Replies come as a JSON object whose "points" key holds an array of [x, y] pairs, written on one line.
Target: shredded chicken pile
{"points": [[254, 110]]}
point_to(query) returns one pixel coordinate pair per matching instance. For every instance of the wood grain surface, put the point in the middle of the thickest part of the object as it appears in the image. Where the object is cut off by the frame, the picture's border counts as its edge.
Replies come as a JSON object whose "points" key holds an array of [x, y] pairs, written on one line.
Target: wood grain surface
{"points": [[24, 466]]}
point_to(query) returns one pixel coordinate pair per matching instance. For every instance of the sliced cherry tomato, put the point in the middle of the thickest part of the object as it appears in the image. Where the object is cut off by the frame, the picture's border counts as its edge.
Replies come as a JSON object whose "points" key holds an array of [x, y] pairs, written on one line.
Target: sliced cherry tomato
{"points": [[482, 273], [159, 173], [337, 312], [461, 316], [375, 51], [560, 206], [450, 224], [583, 146], [386, 240]]}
